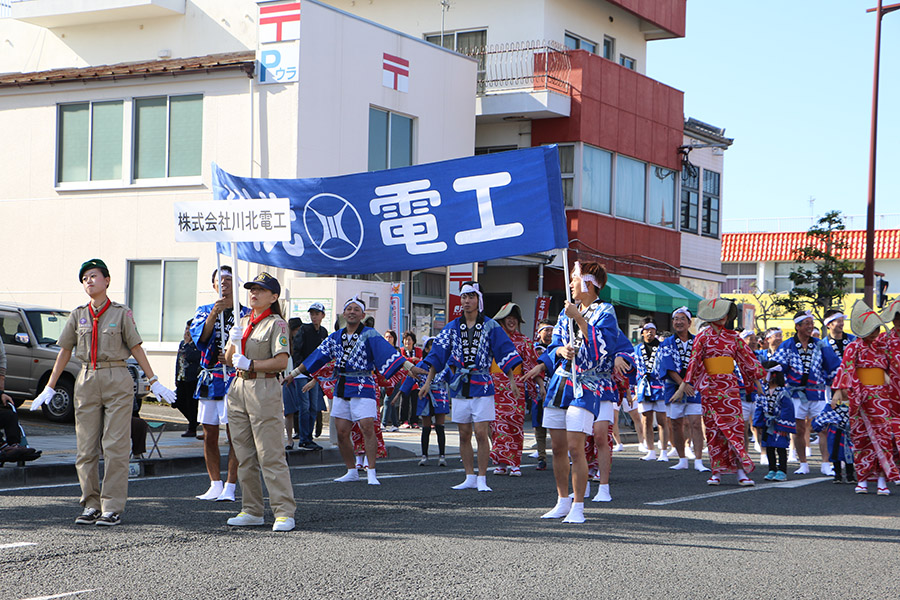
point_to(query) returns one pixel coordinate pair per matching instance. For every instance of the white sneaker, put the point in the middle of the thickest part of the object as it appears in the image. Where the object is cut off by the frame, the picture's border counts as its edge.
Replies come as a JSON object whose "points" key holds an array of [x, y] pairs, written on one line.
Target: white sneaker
{"points": [[827, 469], [563, 505], [803, 470], [283, 524], [245, 520]]}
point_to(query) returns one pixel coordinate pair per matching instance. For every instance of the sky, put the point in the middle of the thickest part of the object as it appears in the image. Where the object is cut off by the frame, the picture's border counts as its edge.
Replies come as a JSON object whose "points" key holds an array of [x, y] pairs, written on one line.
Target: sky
{"points": [[791, 82]]}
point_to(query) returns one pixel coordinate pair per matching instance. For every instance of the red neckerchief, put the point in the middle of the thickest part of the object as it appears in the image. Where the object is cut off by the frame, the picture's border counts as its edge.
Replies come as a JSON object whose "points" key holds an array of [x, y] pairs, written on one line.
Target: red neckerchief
{"points": [[253, 323], [94, 330]]}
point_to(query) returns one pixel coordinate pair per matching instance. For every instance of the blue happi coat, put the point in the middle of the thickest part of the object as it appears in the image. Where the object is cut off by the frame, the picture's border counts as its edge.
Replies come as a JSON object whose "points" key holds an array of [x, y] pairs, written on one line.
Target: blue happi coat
{"points": [[773, 416], [211, 384], [822, 367], [594, 360], [649, 386], [369, 352], [438, 393], [668, 358], [474, 379]]}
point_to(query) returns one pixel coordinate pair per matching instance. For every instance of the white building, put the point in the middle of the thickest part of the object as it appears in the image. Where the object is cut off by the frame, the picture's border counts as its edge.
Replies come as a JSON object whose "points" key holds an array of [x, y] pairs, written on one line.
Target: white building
{"points": [[117, 108]]}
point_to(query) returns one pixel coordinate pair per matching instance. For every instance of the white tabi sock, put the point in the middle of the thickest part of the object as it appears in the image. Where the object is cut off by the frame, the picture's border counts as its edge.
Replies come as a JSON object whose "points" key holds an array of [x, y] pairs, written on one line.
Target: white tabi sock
{"points": [[481, 483], [803, 470], [699, 466], [587, 491], [651, 455], [680, 465], [351, 475], [373, 480], [227, 494], [602, 493], [215, 488], [470, 483], [563, 505], [576, 513]]}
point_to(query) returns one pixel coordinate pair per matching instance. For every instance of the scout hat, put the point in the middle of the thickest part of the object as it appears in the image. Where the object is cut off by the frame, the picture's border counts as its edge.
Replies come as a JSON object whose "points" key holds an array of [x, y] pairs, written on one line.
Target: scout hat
{"points": [[892, 310], [94, 263], [267, 281], [713, 310], [510, 308], [864, 320]]}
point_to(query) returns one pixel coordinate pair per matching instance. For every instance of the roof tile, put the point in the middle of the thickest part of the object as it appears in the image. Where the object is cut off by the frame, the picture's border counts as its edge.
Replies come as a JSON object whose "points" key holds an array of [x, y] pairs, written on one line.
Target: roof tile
{"points": [[782, 246]]}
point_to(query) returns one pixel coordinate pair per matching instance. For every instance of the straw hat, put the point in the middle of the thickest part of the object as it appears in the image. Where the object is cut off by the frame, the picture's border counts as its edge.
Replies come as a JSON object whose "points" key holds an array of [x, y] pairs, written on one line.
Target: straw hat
{"points": [[713, 310], [892, 310], [864, 320], [510, 308]]}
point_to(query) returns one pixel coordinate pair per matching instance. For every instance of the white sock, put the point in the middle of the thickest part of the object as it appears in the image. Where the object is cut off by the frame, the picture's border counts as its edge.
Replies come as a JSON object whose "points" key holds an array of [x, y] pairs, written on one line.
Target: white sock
{"points": [[682, 464], [602, 493], [882, 482], [576, 513], [227, 492], [373, 480], [699, 466], [560, 510], [351, 475], [741, 474], [215, 488], [481, 484], [471, 482]]}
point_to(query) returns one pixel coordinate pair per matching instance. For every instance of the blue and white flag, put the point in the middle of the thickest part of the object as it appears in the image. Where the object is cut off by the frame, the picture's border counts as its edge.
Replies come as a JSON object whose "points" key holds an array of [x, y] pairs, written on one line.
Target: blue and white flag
{"points": [[444, 213]]}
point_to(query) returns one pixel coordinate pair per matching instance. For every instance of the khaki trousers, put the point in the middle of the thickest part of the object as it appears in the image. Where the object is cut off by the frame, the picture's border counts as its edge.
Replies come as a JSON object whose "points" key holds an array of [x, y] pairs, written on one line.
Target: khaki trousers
{"points": [[255, 412], [103, 403]]}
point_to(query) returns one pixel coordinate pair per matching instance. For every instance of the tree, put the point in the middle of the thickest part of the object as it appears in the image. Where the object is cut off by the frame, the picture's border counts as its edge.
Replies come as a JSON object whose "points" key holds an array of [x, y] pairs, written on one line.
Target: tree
{"points": [[818, 279], [768, 307]]}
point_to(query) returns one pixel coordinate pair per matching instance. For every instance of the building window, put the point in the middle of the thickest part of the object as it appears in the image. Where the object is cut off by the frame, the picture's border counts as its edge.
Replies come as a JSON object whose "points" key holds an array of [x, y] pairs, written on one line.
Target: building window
{"points": [[428, 284], [390, 140], [493, 149], [609, 47], [89, 141], [163, 295], [596, 179], [576, 42], [465, 42], [690, 195], [168, 132], [627, 62], [740, 277], [567, 171], [711, 203], [783, 272], [661, 200], [854, 283], [631, 178]]}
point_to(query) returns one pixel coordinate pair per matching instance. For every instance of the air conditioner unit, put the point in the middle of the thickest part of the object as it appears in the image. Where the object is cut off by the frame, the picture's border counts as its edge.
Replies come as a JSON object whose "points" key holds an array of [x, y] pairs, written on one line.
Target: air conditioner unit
{"points": [[371, 300]]}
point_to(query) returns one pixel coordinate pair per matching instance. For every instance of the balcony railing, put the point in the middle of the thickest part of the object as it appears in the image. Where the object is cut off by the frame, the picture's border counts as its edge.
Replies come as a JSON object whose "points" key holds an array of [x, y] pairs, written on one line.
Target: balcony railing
{"points": [[788, 224], [5, 8], [519, 66]]}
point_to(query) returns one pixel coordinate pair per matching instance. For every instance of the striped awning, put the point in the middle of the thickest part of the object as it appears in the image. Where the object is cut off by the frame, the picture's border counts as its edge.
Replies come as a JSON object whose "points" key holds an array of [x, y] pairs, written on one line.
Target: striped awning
{"points": [[648, 295]]}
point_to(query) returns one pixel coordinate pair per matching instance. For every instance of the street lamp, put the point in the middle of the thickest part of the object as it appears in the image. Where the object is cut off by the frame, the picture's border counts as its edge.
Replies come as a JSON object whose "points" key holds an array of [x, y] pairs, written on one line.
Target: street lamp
{"points": [[869, 273]]}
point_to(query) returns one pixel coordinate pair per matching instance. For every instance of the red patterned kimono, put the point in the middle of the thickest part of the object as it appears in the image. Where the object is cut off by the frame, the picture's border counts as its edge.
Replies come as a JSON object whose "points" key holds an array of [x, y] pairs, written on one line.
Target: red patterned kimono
{"points": [[325, 375], [892, 338], [871, 426], [722, 414], [507, 428]]}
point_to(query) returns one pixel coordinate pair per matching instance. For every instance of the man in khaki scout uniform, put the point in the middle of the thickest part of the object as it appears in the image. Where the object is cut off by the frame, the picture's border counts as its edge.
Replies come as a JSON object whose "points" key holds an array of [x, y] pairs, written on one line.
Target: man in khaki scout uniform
{"points": [[103, 335]]}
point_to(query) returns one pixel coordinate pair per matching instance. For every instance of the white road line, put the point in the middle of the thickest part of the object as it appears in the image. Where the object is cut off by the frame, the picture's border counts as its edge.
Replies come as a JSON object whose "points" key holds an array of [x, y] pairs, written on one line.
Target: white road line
{"points": [[64, 595], [767, 486], [16, 545]]}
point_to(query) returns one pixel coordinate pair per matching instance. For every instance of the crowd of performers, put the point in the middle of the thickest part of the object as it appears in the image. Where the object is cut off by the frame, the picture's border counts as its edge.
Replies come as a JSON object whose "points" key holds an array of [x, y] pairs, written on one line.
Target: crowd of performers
{"points": [[705, 392]]}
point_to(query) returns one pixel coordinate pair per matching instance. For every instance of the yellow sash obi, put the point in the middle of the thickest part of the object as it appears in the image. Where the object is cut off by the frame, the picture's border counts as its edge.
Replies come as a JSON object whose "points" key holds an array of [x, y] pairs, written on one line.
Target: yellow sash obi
{"points": [[719, 365], [517, 370], [873, 376]]}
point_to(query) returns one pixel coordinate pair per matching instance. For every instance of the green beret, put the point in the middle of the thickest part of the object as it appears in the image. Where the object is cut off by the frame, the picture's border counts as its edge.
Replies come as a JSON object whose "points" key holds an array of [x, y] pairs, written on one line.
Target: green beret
{"points": [[94, 263]]}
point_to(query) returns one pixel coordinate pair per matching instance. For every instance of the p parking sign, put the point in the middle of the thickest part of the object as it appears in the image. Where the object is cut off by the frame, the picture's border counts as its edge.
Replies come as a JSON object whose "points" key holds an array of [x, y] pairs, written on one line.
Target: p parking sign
{"points": [[279, 63]]}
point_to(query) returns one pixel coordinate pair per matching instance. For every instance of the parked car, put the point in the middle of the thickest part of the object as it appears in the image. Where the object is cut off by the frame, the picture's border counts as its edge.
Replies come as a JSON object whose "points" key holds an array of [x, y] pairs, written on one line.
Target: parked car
{"points": [[30, 334]]}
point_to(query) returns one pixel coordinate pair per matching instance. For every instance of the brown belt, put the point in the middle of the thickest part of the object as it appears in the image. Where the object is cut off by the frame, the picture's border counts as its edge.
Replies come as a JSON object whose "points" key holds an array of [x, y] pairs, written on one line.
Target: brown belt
{"points": [[105, 365], [255, 375]]}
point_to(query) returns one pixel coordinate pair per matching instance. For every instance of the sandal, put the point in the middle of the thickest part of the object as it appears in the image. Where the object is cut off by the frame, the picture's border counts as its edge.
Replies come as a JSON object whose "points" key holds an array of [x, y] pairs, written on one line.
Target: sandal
{"points": [[746, 482], [861, 489], [884, 491], [714, 480]]}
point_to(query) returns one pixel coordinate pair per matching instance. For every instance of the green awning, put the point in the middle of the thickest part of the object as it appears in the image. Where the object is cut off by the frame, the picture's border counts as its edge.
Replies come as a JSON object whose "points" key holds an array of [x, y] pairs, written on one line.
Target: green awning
{"points": [[648, 295]]}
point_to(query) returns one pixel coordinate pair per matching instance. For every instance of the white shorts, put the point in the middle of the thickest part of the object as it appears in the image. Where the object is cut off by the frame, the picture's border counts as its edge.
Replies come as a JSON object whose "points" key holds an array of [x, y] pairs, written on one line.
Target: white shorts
{"points": [[659, 406], [472, 410], [808, 410], [678, 410], [213, 412], [748, 407], [629, 404], [607, 412], [354, 409], [573, 418]]}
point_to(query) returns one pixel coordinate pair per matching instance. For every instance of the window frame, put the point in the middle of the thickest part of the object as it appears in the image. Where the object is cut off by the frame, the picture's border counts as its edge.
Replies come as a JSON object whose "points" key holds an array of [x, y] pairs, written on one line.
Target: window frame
{"points": [[612, 47], [157, 343], [625, 58], [744, 271], [708, 198], [580, 40], [686, 190], [413, 130], [57, 163]]}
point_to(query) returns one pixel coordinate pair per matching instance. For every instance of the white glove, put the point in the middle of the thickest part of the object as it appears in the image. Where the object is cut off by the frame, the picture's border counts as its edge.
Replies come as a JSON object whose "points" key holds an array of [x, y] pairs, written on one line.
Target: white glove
{"points": [[240, 362], [234, 337], [44, 397], [162, 392]]}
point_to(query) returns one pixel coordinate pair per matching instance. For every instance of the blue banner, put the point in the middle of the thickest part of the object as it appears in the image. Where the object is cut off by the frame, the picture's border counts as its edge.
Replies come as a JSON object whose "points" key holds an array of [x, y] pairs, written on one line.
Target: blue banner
{"points": [[444, 213]]}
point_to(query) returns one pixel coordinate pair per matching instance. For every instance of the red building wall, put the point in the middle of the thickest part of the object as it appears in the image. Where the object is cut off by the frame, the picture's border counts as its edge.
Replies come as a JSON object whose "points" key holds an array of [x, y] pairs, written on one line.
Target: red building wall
{"points": [[666, 14]]}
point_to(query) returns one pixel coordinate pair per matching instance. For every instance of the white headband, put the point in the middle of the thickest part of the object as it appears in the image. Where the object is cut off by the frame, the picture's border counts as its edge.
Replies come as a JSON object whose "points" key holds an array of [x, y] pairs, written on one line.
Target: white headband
{"points": [[543, 327], [746, 333], [355, 300], [684, 311], [585, 279], [470, 288], [648, 326], [772, 371], [834, 317], [772, 332], [803, 317]]}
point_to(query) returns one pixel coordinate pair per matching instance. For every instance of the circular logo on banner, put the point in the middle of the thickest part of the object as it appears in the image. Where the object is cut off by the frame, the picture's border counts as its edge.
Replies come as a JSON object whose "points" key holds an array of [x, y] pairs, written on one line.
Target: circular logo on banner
{"points": [[333, 225]]}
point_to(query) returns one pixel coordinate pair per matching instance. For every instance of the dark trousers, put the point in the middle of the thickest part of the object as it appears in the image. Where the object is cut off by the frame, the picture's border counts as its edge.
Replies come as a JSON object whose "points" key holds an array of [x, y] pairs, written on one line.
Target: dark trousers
{"points": [[9, 422], [408, 405], [186, 403]]}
